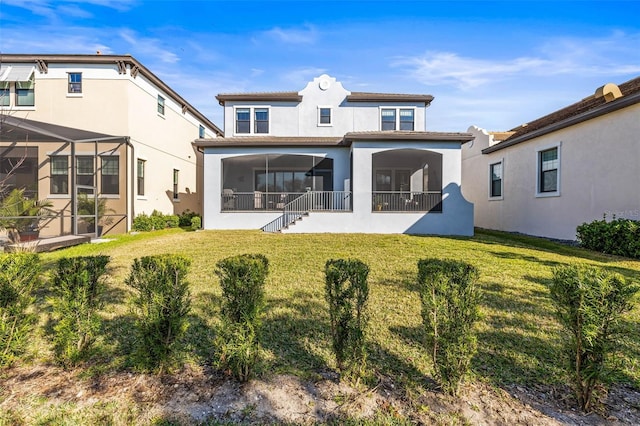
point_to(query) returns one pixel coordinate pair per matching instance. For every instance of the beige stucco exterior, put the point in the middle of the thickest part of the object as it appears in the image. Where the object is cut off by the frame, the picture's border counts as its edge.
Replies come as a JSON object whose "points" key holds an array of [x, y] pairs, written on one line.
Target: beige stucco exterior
{"points": [[120, 98], [599, 174]]}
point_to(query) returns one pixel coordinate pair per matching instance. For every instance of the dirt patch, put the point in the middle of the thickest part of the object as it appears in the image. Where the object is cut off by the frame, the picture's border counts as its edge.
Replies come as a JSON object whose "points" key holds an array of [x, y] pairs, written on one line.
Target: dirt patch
{"points": [[196, 395]]}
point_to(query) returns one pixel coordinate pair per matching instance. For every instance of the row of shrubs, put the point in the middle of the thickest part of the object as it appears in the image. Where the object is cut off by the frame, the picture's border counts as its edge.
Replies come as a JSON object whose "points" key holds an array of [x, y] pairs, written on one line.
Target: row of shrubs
{"points": [[157, 220], [589, 303], [620, 237]]}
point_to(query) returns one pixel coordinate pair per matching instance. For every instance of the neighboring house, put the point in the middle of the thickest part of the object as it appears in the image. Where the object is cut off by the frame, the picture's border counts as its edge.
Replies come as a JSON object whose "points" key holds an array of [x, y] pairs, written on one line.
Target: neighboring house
{"points": [[572, 166], [98, 125], [341, 161]]}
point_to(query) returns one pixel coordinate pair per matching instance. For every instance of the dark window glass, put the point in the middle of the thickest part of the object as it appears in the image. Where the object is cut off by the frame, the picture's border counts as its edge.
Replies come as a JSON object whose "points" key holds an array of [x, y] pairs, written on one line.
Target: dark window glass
{"points": [[160, 105], [60, 174], [496, 180], [406, 119], [175, 184], [110, 175], [140, 177], [25, 94], [261, 120], [325, 115], [549, 170], [243, 117], [201, 132], [5, 94], [388, 119], [84, 171], [75, 82]]}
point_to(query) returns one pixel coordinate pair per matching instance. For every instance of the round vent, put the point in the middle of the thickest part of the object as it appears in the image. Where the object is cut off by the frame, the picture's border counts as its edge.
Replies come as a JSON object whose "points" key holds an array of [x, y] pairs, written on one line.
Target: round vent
{"points": [[324, 84]]}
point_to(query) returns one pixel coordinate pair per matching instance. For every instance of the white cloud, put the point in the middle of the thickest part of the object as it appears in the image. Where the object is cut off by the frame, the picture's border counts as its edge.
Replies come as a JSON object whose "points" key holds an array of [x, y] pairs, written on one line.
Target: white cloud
{"points": [[614, 55], [297, 78], [54, 9], [146, 46], [307, 35]]}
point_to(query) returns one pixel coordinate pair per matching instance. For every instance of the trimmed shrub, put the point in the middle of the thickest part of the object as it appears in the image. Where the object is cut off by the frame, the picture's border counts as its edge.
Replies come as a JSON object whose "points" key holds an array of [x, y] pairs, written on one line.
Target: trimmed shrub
{"points": [[620, 237], [346, 292], [155, 221], [589, 304], [450, 299], [161, 305], [78, 288], [19, 274], [186, 218], [196, 223], [242, 280]]}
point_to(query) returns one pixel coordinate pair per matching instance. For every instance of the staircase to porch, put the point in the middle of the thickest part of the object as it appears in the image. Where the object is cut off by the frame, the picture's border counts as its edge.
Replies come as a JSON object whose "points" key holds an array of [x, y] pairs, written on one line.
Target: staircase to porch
{"points": [[301, 206]]}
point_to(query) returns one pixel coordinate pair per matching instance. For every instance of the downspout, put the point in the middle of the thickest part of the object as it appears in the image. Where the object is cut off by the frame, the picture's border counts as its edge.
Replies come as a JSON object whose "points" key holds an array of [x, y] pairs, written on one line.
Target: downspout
{"points": [[130, 200]]}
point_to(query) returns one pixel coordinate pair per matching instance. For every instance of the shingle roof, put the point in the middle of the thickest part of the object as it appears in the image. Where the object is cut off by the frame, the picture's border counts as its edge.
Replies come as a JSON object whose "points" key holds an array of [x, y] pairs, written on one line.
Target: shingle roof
{"points": [[586, 109], [255, 141], [388, 97], [259, 96]]}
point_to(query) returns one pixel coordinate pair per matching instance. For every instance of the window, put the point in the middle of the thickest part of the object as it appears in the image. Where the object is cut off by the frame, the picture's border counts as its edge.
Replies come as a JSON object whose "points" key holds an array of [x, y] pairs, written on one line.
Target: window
{"points": [[175, 184], [5, 94], [84, 171], [75, 82], [406, 119], [261, 120], [160, 105], [495, 180], [201, 132], [324, 116], [548, 165], [110, 175], [25, 95], [60, 174], [243, 117], [140, 177], [388, 119]]}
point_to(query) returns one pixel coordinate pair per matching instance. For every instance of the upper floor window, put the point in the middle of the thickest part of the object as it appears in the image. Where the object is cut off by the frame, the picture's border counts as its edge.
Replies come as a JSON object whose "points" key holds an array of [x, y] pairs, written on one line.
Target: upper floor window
{"points": [[406, 119], [495, 180], [261, 120], [324, 116], [25, 93], [59, 174], [397, 119], [388, 117], [548, 171], [110, 182], [243, 120], [201, 131], [5, 94], [160, 105], [252, 120], [75, 82]]}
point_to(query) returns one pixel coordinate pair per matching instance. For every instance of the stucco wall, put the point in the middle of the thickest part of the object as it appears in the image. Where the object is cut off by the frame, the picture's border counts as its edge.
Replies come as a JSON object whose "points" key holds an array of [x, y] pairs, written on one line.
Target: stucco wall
{"points": [[301, 119], [599, 173]]}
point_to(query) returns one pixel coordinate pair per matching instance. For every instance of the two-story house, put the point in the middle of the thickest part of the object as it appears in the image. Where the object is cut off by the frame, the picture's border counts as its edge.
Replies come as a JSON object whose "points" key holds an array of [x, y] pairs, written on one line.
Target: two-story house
{"points": [[79, 127], [341, 161]]}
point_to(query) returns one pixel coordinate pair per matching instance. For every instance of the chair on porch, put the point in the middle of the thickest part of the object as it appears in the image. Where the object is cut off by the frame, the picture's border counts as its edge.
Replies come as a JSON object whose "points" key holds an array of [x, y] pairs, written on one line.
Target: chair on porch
{"points": [[228, 199]]}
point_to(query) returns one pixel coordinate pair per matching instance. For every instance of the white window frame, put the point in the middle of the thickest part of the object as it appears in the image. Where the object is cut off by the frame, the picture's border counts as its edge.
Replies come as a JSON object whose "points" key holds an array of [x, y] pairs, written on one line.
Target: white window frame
{"points": [[252, 120], [490, 181], [161, 101], [175, 185], [556, 193], [69, 83], [330, 123], [397, 109]]}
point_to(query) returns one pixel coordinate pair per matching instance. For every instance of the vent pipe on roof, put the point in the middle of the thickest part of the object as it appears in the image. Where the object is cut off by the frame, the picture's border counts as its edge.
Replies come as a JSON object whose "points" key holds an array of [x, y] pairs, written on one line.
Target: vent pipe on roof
{"points": [[609, 92]]}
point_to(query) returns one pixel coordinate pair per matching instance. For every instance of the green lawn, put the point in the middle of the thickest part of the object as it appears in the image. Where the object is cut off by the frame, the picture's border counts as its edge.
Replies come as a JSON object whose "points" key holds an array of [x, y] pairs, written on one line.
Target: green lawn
{"points": [[518, 336]]}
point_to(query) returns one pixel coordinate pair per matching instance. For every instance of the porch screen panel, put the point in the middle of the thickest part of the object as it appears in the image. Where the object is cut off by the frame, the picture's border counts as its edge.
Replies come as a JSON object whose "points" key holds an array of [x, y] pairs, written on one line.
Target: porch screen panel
{"points": [[19, 170]]}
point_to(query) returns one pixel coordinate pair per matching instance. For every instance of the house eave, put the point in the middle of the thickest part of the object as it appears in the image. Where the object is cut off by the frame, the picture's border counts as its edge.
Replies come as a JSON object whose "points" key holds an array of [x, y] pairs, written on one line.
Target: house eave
{"points": [[408, 136], [571, 121], [259, 97]]}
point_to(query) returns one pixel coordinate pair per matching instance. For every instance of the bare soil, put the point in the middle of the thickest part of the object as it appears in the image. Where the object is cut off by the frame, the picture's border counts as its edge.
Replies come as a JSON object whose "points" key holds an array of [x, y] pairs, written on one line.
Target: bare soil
{"points": [[194, 396]]}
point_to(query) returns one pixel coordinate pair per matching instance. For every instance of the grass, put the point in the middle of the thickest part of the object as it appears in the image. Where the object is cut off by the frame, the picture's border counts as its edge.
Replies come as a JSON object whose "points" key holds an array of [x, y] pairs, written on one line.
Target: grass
{"points": [[518, 335]]}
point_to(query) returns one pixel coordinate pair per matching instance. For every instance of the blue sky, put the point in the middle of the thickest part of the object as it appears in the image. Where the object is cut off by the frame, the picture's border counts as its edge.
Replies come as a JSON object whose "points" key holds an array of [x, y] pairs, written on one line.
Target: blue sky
{"points": [[492, 64]]}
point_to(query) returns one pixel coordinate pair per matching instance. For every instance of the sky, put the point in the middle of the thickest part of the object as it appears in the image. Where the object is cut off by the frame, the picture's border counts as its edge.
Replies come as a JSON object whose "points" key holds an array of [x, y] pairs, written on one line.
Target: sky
{"points": [[495, 64]]}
